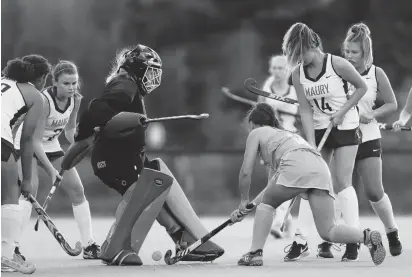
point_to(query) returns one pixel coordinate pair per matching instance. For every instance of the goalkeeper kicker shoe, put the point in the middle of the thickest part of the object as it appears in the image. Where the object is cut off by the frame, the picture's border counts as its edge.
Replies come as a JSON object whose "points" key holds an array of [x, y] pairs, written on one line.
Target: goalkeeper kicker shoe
{"points": [[207, 252], [126, 258], [91, 252]]}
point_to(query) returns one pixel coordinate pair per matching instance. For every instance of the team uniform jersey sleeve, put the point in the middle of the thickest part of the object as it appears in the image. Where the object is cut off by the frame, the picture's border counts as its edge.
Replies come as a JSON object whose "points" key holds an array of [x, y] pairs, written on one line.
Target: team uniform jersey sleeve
{"points": [[116, 97]]}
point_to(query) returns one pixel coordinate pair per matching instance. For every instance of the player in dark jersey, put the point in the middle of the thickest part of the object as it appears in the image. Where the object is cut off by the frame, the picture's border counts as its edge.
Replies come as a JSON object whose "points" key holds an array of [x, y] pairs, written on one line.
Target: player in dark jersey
{"points": [[118, 158]]}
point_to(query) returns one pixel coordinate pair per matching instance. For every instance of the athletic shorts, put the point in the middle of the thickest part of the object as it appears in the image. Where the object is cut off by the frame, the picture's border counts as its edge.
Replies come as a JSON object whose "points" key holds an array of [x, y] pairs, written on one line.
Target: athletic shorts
{"points": [[118, 170], [369, 149], [339, 138], [52, 156], [7, 149]]}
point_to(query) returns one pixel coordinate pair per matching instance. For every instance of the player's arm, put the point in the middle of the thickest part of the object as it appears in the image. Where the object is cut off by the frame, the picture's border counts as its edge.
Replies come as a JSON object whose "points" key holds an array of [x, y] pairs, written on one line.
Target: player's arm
{"points": [[305, 109], [70, 129], [34, 102], [245, 175], [386, 94], [348, 72], [114, 100], [406, 112], [38, 136]]}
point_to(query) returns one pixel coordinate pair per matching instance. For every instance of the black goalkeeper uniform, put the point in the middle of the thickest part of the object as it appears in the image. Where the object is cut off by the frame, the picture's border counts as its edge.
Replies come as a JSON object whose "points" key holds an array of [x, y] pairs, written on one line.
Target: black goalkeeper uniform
{"points": [[117, 162]]}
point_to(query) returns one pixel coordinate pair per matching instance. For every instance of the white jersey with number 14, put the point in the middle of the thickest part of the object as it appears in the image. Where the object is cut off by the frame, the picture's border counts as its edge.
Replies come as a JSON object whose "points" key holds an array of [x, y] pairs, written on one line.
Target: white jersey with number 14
{"points": [[327, 94]]}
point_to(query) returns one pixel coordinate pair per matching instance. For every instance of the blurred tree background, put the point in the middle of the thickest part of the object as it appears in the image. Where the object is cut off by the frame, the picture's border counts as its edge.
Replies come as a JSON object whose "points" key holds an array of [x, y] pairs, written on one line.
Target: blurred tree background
{"points": [[204, 45]]}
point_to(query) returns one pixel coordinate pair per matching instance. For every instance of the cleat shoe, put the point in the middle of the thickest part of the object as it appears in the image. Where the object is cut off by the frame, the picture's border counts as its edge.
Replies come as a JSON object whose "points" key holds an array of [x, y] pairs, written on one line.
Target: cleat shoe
{"points": [[17, 264], [352, 252], [373, 240], [252, 258], [277, 234], [296, 252], [395, 245], [17, 252], [5, 268], [324, 250], [124, 258], [91, 252]]}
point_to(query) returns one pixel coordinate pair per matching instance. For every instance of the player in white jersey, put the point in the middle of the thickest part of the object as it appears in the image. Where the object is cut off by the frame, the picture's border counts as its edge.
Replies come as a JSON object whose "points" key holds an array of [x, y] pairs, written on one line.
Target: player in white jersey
{"points": [[405, 114], [62, 102], [357, 49], [20, 102], [321, 81], [277, 83], [298, 169]]}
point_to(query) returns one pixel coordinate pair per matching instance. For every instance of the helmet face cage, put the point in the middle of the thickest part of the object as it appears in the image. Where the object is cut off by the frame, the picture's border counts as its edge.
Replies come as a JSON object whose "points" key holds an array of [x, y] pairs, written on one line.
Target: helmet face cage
{"points": [[146, 64], [151, 78]]}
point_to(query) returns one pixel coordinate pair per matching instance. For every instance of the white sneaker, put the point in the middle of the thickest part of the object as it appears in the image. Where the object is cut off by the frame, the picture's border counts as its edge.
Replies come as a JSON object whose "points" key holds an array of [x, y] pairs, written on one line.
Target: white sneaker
{"points": [[17, 264]]}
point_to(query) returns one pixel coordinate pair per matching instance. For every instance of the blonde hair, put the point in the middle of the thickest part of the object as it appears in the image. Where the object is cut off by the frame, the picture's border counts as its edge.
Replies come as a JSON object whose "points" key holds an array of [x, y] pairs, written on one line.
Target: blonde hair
{"points": [[360, 33], [298, 39]]}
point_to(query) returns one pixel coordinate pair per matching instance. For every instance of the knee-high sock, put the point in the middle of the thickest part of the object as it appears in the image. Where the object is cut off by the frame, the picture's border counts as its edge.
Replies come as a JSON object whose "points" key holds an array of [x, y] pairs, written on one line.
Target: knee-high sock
{"points": [[10, 228], [261, 226], [304, 222], [343, 233], [349, 206], [25, 213], [84, 222], [383, 208]]}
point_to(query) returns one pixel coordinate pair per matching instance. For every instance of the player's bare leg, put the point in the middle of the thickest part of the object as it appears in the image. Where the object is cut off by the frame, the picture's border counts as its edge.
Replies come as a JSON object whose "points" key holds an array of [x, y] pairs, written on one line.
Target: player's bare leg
{"points": [[299, 248], [322, 205], [370, 170], [325, 219], [72, 186], [263, 221], [344, 158]]}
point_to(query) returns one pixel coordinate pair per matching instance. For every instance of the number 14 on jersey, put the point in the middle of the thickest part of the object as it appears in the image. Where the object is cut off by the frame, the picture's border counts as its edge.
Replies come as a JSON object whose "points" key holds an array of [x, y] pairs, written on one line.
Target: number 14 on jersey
{"points": [[323, 105]]}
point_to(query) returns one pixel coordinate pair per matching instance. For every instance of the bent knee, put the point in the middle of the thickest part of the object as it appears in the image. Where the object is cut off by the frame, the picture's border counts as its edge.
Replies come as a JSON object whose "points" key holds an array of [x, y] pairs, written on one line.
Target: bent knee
{"points": [[76, 194], [374, 195], [325, 234]]}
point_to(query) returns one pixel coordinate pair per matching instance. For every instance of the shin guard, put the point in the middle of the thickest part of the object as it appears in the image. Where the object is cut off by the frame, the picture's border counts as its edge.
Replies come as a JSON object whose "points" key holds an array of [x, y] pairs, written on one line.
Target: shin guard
{"points": [[139, 208]]}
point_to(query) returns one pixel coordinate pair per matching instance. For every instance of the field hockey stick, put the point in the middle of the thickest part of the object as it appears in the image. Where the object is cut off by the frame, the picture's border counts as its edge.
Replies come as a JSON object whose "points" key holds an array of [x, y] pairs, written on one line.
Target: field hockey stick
{"points": [[320, 146], [53, 229], [384, 126], [289, 210], [49, 196], [195, 117], [226, 91], [169, 260], [250, 85], [73, 156]]}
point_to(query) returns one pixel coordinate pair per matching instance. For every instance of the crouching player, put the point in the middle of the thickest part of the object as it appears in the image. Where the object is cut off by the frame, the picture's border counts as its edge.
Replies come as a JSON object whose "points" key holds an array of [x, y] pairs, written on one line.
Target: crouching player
{"points": [[149, 189], [298, 169]]}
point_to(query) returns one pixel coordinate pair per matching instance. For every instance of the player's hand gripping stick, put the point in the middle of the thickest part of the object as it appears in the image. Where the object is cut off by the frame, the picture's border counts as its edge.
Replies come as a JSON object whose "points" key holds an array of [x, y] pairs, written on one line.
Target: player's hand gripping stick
{"points": [[182, 253]]}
